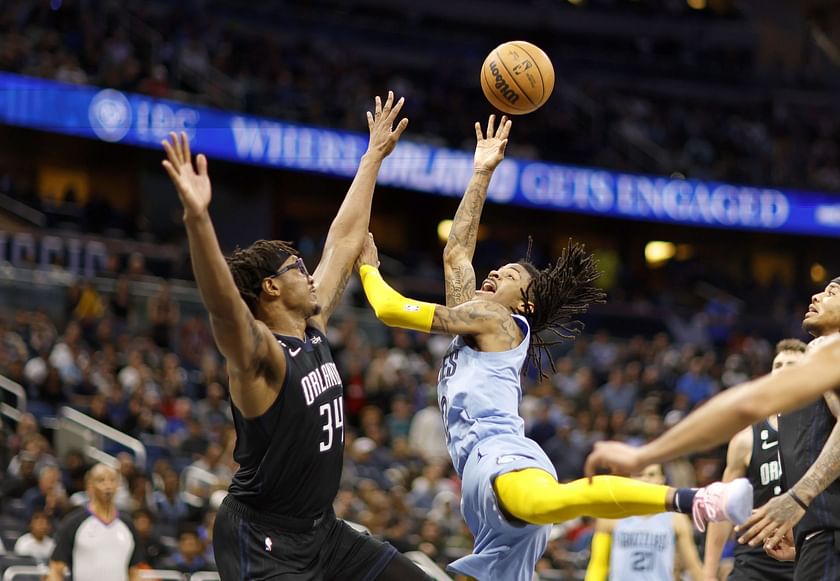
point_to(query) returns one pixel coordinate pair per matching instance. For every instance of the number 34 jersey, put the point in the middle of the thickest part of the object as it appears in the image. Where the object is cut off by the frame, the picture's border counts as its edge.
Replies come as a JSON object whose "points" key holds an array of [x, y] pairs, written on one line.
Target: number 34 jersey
{"points": [[479, 394], [290, 457]]}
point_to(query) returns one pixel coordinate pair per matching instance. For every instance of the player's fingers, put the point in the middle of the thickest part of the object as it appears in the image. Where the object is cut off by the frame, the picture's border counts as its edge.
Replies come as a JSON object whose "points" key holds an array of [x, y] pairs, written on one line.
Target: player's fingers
{"points": [[201, 163], [490, 123], [504, 130], [396, 110], [170, 169], [756, 516], [758, 532], [503, 146], [378, 107], [478, 134], [370, 120], [401, 127], [186, 147], [175, 156], [388, 102], [170, 152]]}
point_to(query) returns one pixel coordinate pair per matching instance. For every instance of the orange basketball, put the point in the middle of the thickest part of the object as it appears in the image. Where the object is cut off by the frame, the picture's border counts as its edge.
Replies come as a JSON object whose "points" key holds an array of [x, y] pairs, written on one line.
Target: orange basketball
{"points": [[517, 77]]}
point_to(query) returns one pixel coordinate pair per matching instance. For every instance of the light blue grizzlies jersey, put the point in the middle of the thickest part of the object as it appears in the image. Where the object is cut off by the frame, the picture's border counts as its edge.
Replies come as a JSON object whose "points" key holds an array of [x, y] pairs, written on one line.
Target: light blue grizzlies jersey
{"points": [[479, 394], [643, 549]]}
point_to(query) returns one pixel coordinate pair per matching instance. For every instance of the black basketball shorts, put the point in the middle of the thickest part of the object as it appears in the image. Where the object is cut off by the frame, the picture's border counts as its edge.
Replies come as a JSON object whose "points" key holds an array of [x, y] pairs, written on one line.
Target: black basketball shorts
{"points": [[250, 546]]}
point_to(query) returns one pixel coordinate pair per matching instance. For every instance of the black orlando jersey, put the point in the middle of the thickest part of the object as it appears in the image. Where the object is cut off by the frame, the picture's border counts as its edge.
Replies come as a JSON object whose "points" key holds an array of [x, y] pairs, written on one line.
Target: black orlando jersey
{"points": [[290, 457]]}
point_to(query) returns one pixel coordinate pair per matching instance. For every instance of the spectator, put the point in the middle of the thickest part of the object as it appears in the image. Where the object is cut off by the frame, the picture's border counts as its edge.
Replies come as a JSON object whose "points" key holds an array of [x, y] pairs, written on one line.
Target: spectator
{"points": [[95, 543], [189, 558], [15, 486], [164, 314], [214, 409], [617, 393], [426, 435], [37, 543], [695, 384], [49, 496], [169, 505], [153, 551]]}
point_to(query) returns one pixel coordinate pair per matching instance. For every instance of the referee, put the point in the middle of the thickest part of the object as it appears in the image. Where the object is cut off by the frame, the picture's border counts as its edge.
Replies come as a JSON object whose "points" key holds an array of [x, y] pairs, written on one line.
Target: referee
{"points": [[95, 543]]}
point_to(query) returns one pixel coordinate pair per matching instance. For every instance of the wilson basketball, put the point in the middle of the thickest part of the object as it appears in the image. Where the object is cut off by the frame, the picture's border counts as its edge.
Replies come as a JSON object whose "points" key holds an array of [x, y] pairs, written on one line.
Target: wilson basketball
{"points": [[517, 77]]}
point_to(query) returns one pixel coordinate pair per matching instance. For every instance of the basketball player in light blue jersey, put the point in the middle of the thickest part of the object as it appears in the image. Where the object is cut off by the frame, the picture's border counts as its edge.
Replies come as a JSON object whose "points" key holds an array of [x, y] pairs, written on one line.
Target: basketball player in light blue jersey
{"points": [[510, 491], [642, 548]]}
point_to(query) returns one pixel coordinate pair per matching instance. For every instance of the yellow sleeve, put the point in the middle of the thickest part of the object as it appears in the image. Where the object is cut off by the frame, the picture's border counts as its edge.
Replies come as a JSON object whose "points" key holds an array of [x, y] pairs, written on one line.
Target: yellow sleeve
{"points": [[599, 561], [391, 307]]}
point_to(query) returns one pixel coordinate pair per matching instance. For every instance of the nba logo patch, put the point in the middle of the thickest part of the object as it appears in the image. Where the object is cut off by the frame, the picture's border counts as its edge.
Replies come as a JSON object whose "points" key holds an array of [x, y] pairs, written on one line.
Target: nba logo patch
{"points": [[412, 308]]}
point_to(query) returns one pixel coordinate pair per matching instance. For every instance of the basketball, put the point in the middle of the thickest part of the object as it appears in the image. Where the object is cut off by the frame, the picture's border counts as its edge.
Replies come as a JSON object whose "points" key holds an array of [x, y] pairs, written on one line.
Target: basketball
{"points": [[517, 77]]}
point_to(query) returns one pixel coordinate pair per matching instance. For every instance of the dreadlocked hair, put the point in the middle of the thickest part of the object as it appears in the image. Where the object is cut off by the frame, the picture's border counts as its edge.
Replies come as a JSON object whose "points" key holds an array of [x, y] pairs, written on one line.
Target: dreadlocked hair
{"points": [[249, 266], [555, 296]]}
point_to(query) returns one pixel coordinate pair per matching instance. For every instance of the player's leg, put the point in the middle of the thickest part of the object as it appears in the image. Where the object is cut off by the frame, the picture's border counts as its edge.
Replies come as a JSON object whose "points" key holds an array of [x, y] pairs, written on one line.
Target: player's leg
{"points": [[534, 496]]}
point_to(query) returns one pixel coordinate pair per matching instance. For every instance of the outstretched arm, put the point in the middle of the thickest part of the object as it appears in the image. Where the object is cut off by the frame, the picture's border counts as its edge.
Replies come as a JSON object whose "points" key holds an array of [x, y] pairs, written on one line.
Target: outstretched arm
{"points": [[460, 245], [724, 415], [351, 224], [242, 340]]}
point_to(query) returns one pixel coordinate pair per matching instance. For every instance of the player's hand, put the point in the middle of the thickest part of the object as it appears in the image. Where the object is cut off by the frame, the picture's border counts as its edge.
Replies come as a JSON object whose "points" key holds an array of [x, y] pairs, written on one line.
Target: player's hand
{"points": [[616, 457], [785, 550], [490, 149], [770, 523], [369, 254], [193, 186], [383, 135]]}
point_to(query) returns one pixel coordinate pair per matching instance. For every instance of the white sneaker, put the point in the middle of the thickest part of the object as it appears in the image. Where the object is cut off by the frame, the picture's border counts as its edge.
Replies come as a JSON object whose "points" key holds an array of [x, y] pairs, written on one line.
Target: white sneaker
{"points": [[720, 501]]}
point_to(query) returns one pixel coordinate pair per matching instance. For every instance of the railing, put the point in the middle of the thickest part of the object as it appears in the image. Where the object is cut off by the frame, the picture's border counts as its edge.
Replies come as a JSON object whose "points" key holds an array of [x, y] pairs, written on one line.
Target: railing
{"points": [[28, 570], [205, 576], [39, 571], [14, 412], [72, 419], [162, 574]]}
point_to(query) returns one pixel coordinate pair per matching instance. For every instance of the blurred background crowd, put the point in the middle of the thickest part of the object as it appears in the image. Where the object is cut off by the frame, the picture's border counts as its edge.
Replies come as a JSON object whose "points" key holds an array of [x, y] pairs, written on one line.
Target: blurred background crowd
{"points": [[98, 312]]}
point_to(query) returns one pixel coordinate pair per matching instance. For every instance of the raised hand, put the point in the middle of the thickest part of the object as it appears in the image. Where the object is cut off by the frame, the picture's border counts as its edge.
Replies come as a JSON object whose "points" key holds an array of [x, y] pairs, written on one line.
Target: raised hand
{"points": [[193, 186], [383, 135], [490, 149], [369, 254], [616, 457]]}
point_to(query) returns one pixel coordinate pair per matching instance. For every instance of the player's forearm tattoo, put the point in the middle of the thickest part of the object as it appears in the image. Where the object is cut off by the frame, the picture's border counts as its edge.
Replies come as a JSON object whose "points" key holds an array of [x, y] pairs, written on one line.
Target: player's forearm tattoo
{"points": [[460, 279], [472, 319], [465, 224], [826, 469], [335, 297], [460, 285]]}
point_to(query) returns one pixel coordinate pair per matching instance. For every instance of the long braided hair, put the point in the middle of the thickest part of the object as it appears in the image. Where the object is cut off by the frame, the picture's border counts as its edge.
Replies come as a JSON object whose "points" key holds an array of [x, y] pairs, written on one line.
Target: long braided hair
{"points": [[554, 298]]}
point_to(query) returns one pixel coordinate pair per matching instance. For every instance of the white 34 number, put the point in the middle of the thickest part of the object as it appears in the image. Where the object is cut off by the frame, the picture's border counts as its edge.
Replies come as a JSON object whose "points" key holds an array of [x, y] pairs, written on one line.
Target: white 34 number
{"points": [[334, 411]]}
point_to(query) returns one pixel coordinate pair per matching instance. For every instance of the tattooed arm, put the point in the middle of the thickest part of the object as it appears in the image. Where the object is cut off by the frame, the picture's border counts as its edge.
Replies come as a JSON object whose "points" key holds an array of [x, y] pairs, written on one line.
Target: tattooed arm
{"points": [[460, 246], [773, 520]]}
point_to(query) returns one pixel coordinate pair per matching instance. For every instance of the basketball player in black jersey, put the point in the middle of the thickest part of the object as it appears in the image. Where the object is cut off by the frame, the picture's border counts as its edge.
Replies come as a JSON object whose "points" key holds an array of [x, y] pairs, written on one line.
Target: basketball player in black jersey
{"points": [[815, 445], [809, 440], [754, 453], [269, 318]]}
